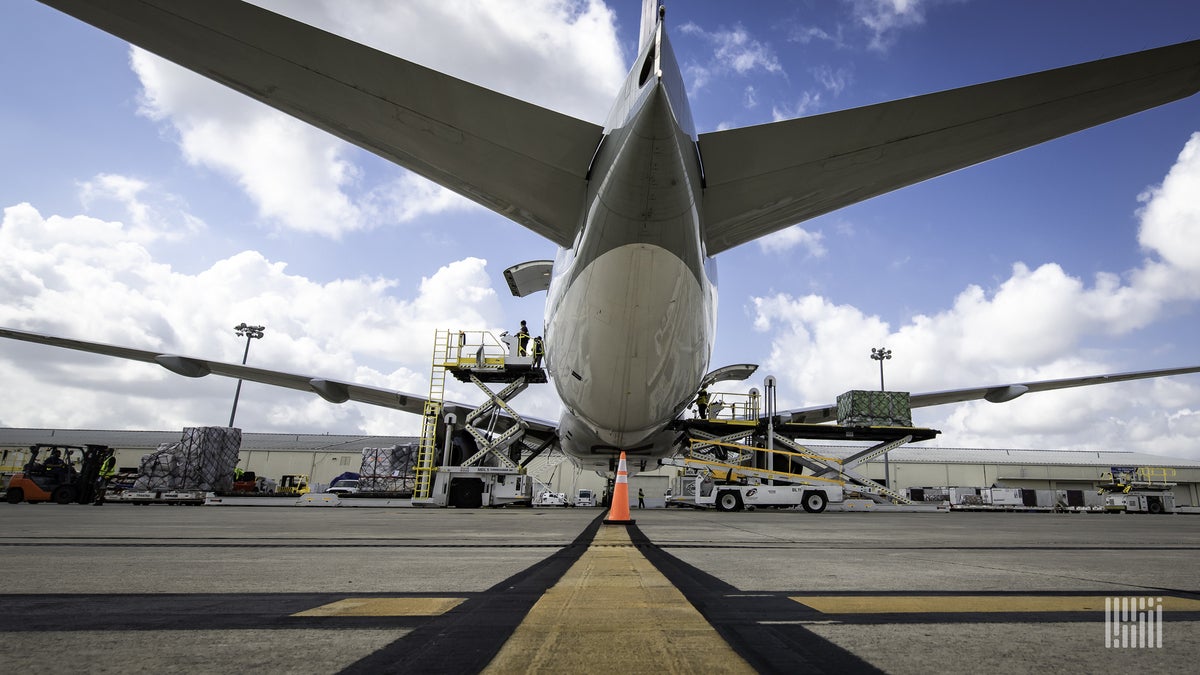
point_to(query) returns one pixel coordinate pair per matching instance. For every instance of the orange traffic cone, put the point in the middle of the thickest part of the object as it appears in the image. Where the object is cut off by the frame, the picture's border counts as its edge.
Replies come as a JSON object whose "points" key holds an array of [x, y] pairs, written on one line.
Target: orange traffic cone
{"points": [[619, 513]]}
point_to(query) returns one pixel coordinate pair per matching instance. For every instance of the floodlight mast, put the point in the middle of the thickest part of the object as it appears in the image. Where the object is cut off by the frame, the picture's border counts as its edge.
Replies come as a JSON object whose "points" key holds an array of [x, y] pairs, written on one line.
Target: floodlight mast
{"points": [[880, 354], [250, 333]]}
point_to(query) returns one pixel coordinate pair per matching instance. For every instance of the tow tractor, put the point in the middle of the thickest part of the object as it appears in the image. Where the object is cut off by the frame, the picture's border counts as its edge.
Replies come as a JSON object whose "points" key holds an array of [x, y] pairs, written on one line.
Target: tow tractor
{"points": [[62, 484]]}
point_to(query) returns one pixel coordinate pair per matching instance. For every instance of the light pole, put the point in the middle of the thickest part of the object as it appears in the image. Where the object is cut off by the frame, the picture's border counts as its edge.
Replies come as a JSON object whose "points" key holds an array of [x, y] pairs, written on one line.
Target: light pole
{"points": [[250, 333], [880, 355]]}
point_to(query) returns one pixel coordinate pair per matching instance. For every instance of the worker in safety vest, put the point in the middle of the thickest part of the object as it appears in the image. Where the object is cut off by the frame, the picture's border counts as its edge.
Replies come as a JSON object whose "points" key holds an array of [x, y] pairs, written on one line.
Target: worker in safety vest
{"points": [[108, 469], [522, 338], [702, 404], [539, 350]]}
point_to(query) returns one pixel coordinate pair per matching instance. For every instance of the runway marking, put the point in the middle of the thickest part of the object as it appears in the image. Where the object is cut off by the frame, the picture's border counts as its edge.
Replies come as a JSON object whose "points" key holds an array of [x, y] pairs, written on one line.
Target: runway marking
{"points": [[613, 607], [385, 607], [952, 604]]}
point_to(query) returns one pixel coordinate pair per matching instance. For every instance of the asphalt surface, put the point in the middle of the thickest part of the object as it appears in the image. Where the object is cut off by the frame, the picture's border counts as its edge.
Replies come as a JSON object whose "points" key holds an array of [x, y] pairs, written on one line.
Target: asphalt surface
{"points": [[168, 589]]}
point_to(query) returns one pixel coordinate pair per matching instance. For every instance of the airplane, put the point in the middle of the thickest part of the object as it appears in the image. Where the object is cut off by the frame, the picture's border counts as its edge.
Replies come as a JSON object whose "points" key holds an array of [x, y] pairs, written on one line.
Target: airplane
{"points": [[639, 207]]}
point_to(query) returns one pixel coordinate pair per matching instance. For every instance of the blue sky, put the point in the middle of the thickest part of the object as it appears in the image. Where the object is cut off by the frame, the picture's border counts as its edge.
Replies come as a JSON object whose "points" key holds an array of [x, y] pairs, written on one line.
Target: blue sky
{"points": [[147, 207]]}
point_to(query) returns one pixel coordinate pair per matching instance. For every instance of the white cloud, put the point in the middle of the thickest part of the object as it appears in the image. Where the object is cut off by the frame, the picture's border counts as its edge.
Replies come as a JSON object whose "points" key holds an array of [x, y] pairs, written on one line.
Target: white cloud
{"points": [[92, 279], [1033, 326], [883, 18], [561, 54], [734, 51], [795, 236], [808, 103], [152, 214], [834, 80]]}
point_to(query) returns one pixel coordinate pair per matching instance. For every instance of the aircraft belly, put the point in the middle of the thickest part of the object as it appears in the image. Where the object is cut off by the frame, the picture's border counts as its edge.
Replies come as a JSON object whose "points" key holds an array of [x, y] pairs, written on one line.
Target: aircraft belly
{"points": [[635, 320]]}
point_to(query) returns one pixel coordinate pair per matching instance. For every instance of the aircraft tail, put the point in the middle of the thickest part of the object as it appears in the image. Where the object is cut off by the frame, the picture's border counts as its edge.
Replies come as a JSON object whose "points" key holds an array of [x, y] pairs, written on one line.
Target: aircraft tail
{"points": [[649, 19]]}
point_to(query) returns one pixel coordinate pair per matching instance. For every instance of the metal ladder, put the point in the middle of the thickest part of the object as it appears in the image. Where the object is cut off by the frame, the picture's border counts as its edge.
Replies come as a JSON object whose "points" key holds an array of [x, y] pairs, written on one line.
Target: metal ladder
{"points": [[431, 417]]}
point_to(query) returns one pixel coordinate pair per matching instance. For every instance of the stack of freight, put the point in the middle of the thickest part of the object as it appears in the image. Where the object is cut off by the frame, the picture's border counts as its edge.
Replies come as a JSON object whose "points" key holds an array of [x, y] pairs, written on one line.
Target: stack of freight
{"points": [[387, 469], [874, 409], [203, 459]]}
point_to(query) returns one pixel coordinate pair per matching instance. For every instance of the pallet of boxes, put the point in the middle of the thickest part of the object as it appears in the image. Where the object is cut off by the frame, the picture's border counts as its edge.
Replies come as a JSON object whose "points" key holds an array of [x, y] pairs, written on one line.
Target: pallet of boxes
{"points": [[387, 472], [859, 408], [187, 471]]}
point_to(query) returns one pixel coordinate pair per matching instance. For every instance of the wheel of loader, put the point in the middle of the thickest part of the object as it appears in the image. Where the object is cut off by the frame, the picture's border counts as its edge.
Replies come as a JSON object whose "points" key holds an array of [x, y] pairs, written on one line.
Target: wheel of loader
{"points": [[63, 494], [15, 496], [814, 501], [729, 501]]}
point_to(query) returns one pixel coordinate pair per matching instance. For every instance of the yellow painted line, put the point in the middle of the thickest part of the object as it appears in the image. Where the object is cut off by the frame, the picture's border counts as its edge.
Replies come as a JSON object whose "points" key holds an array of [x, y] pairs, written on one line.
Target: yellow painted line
{"points": [[614, 611], [385, 607], [900, 604]]}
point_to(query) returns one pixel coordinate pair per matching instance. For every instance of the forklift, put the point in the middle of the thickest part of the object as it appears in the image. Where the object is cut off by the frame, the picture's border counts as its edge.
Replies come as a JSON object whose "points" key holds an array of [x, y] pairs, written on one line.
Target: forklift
{"points": [[57, 479], [293, 484]]}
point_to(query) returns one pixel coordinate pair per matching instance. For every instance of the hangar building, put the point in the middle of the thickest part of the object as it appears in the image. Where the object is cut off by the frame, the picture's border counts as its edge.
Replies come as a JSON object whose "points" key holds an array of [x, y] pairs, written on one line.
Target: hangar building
{"points": [[325, 456]]}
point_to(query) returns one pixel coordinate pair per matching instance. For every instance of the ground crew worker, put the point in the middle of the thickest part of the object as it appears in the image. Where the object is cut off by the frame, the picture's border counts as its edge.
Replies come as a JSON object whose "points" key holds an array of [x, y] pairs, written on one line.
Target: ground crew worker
{"points": [[108, 469], [539, 350], [702, 403], [522, 338], [641, 499], [55, 466]]}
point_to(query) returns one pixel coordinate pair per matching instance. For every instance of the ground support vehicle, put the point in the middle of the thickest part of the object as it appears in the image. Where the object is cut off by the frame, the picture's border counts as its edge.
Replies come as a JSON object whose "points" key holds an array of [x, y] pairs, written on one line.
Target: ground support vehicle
{"points": [[730, 476], [292, 485], [345, 486], [586, 498], [475, 458], [250, 484], [477, 486], [550, 499], [733, 488], [62, 484], [168, 497], [1134, 490]]}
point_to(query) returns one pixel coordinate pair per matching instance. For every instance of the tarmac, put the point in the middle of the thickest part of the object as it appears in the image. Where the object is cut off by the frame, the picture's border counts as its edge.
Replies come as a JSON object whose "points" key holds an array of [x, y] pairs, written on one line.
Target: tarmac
{"points": [[177, 589]]}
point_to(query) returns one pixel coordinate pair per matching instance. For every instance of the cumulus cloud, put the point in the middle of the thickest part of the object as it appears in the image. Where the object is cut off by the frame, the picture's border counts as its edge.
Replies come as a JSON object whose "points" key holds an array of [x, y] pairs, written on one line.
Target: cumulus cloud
{"points": [[82, 277], [306, 180], [152, 214], [1034, 325], [790, 238]]}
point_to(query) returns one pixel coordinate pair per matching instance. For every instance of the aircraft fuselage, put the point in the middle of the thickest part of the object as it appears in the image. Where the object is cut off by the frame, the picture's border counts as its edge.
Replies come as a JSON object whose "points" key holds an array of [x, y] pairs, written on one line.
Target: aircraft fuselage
{"points": [[631, 312]]}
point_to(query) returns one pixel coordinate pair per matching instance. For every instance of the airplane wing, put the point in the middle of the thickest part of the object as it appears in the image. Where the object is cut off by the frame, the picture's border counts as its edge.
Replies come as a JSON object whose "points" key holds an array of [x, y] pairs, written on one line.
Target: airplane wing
{"points": [[525, 162], [764, 178], [334, 391], [996, 394]]}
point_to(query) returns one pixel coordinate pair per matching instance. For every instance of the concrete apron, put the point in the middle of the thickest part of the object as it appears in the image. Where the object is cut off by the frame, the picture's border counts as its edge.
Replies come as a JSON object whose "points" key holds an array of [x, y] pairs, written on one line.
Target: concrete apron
{"points": [[613, 607]]}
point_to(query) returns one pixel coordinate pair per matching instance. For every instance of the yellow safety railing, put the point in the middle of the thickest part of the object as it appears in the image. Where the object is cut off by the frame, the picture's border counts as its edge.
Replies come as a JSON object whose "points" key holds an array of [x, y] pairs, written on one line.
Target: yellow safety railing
{"points": [[1149, 473], [477, 348], [734, 407], [749, 448]]}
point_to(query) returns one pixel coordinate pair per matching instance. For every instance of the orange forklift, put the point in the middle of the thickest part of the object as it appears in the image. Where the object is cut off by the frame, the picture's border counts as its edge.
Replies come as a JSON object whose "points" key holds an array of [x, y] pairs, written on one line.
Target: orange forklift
{"points": [[57, 478]]}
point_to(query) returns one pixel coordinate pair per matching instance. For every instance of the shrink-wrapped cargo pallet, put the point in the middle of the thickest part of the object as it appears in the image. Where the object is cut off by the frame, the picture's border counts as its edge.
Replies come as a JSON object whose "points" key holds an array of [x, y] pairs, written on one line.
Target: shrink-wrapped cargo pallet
{"points": [[387, 469], [860, 408], [203, 459]]}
